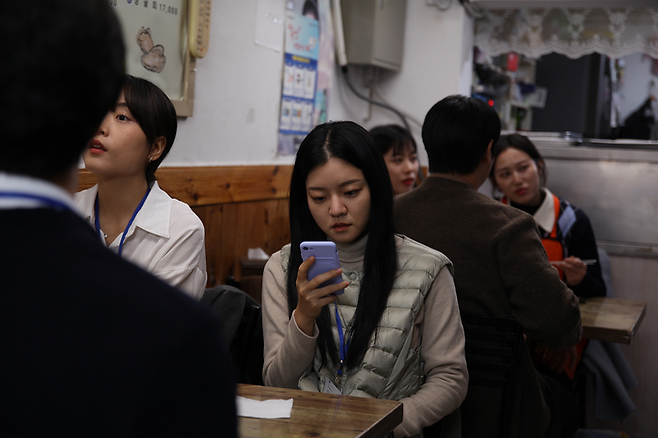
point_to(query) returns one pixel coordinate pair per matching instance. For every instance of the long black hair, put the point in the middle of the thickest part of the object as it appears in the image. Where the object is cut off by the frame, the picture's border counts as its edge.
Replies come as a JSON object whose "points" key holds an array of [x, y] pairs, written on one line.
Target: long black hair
{"points": [[154, 113], [351, 143]]}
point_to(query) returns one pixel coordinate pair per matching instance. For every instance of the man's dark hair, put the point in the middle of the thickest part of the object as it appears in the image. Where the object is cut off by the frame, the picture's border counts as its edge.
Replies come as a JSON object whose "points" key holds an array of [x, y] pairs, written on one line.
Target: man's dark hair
{"points": [[456, 133], [62, 65]]}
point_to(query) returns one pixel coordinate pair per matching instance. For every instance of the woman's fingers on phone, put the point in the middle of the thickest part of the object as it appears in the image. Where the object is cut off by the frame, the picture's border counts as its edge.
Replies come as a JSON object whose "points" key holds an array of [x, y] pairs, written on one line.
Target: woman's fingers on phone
{"points": [[303, 283], [304, 286], [325, 276], [304, 267], [311, 289], [311, 299], [331, 289], [302, 273]]}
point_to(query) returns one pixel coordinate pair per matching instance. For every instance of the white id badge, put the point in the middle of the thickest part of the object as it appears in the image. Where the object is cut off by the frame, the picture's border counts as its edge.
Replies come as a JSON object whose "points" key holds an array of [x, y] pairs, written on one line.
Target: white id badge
{"points": [[330, 388]]}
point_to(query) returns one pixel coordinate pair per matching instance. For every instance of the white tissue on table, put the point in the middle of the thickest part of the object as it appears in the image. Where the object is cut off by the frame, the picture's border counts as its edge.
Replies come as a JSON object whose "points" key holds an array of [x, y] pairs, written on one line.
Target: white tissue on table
{"points": [[263, 409], [257, 254]]}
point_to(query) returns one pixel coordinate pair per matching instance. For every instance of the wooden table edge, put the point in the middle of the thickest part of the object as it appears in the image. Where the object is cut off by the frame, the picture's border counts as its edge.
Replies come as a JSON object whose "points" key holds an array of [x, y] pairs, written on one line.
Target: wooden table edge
{"points": [[637, 323], [393, 417], [384, 427], [615, 335]]}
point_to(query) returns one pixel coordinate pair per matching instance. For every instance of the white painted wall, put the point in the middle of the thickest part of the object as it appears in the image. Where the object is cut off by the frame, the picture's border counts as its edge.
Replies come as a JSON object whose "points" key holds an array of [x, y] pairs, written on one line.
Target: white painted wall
{"points": [[437, 62], [236, 96], [238, 84]]}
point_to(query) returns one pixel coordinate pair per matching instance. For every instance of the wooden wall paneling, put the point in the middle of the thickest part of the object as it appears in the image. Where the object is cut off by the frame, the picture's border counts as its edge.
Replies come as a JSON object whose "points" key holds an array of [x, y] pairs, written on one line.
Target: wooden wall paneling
{"points": [[212, 218], [232, 246], [279, 222], [256, 224], [241, 207], [231, 229], [214, 185], [86, 179], [218, 184]]}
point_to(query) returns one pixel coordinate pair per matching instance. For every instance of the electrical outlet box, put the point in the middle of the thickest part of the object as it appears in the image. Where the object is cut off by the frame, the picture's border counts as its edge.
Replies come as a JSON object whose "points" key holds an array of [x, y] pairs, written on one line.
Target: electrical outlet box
{"points": [[374, 32]]}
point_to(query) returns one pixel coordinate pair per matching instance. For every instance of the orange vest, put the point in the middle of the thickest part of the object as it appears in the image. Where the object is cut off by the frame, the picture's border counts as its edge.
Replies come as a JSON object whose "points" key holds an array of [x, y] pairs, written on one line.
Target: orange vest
{"points": [[553, 247], [555, 252]]}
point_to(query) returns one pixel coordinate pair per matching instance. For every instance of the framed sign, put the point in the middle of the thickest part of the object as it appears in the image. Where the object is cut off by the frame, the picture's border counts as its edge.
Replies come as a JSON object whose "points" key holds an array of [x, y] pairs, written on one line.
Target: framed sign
{"points": [[156, 35]]}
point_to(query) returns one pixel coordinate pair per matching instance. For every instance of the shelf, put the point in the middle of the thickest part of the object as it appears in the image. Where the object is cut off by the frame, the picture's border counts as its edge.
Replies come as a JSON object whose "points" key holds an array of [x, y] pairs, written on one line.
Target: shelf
{"points": [[519, 104]]}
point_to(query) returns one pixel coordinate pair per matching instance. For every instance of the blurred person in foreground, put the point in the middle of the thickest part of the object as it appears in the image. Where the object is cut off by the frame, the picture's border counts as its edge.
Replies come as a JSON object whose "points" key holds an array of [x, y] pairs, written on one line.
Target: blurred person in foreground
{"points": [[90, 344]]}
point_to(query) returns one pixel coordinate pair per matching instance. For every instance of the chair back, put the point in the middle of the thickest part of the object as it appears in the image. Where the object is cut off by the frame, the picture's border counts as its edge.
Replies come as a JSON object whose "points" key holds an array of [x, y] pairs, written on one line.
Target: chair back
{"points": [[492, 357], [253, 286], [242, 325]]}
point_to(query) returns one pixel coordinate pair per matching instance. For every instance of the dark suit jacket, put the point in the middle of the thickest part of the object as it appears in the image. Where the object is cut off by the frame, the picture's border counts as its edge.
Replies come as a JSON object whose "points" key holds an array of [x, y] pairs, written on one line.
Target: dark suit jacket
{"points": [[91, 345], [501, 270]]}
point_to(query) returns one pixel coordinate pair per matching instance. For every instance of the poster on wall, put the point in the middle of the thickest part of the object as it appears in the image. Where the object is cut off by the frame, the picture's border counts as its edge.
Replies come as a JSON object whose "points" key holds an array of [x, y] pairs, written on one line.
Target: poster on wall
{"points": [[307, 71], [154, 33]]}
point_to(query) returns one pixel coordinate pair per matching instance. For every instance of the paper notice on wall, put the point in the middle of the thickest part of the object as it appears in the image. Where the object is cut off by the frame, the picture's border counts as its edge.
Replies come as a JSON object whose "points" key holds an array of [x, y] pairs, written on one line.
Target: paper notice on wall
{"points": [[307, 71], [270, 19]]}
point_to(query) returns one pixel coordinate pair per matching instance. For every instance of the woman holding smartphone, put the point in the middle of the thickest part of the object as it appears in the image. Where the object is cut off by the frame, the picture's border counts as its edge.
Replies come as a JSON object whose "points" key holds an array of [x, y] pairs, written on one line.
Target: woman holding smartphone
{"points": [[395, 332], [519, 172], [132, 215]]}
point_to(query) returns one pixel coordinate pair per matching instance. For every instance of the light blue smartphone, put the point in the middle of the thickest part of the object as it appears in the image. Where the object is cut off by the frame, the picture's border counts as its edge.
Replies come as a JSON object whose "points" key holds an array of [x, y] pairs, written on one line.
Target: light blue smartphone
{"points": [[326, 259]]}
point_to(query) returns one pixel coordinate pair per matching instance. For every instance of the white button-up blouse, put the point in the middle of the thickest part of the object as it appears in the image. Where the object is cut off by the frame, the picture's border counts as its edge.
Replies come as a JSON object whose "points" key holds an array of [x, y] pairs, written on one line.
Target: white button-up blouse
{"points": [[166, 239]]}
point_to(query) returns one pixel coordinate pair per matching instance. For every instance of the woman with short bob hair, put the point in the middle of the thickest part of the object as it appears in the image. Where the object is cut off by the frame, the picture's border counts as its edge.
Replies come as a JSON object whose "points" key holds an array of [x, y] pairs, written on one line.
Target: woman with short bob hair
{"points": [[132, 215], [398, 148], [395, 332]]}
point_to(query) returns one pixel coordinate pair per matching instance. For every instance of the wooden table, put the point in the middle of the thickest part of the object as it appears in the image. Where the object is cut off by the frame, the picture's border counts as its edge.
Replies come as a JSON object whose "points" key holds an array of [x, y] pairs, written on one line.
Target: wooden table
{"points": [[316, 414], [611, 319]]}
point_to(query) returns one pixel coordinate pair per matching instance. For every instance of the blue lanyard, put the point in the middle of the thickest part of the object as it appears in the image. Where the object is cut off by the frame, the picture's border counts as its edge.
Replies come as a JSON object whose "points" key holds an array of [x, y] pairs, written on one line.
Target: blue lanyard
{"points": [[343, 346], [59, 205], [123, 237]]}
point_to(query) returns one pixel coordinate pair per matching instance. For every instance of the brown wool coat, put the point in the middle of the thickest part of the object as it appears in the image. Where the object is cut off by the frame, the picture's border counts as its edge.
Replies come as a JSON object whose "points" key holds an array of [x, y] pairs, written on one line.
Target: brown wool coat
{"points": [[501, 270]]}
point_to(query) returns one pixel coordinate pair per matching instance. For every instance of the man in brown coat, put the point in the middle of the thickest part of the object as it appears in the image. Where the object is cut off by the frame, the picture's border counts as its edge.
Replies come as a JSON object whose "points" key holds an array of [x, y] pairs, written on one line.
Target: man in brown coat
{"points": [[501, 268]]}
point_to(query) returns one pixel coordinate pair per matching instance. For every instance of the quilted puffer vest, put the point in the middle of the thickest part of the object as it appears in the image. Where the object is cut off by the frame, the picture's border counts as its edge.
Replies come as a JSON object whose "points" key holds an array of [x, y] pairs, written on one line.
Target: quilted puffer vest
{"points": [[390, 369]]}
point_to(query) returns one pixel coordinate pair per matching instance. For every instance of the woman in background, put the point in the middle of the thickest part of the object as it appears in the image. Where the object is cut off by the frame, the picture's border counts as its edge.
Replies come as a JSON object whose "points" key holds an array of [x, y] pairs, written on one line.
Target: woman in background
{"points": [[519, 172], [398, 148], [395, 332], [132, 215]]}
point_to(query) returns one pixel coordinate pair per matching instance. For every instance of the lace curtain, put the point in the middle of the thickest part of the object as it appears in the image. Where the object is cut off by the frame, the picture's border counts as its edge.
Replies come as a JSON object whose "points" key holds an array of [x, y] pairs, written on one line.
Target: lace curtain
{"points": [[573, 33]]}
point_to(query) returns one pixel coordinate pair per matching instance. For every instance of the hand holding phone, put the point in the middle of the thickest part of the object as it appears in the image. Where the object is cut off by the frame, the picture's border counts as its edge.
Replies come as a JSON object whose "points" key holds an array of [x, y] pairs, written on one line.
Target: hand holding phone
{"points": [[326, 259]]}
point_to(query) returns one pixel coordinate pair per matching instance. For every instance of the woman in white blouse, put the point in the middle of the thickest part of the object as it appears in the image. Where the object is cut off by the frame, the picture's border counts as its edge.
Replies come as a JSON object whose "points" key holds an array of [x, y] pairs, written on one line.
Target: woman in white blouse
{"points": [[132, 215]]}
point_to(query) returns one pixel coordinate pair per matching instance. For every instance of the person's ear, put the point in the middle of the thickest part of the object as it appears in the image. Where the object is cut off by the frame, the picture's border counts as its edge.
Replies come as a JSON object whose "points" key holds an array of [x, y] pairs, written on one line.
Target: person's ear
{"points": [[489, 155], [157, 148], [541, 169]]}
